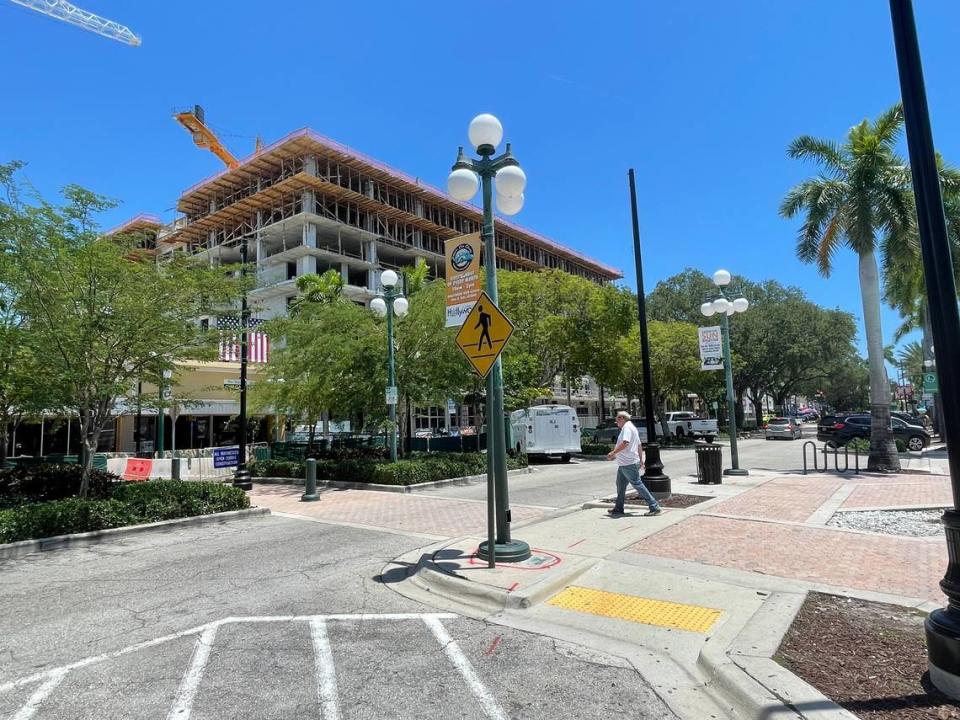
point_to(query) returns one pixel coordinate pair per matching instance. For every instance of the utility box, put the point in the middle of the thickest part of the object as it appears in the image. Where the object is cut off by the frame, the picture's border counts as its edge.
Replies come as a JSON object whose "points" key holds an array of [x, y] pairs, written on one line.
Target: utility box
{"points": [[709, 464]]}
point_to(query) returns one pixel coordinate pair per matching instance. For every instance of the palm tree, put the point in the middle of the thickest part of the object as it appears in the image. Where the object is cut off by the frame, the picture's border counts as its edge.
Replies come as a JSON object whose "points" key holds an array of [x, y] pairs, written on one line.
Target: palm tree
{"points": [[315, 288], [860, 197]]}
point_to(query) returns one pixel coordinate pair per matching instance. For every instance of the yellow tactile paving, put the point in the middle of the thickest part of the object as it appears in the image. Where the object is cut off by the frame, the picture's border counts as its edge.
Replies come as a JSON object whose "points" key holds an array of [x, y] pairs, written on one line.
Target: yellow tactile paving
{"points": [[636, 609]]}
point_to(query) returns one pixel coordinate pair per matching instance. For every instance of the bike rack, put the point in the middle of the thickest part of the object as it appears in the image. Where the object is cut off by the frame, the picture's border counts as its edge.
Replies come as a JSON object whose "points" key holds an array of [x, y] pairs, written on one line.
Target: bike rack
{"points": [[836, 459]]}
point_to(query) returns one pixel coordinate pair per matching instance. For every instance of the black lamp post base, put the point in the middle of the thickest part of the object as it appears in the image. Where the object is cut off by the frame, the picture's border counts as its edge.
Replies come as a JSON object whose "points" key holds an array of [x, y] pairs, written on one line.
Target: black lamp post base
{"points": [[943, 650], [653, 476], [735, 471], [241, 479], [513, 551]]}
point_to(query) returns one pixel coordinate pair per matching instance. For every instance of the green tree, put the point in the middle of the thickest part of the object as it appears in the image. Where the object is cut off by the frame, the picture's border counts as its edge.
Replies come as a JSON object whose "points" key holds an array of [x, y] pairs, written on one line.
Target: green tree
{"points": [[318, 289], [860, 196], [99, 315]]}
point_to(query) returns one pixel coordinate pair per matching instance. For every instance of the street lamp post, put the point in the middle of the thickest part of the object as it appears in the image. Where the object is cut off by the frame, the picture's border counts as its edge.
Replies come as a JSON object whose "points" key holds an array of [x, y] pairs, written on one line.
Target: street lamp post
{"points": [[723, 306], [390, 303], [485, 133], [942, 626], [654, 478], [241, 478]]}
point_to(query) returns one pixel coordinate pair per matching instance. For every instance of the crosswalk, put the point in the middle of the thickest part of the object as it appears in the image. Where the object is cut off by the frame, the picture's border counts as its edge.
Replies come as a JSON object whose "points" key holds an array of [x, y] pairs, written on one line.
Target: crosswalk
{"points": [[331, 667]]}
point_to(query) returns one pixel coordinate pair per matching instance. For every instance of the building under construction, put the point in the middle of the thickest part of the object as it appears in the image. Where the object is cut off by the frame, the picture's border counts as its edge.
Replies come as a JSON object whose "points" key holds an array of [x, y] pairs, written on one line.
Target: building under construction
{"points": [[307, 204]]}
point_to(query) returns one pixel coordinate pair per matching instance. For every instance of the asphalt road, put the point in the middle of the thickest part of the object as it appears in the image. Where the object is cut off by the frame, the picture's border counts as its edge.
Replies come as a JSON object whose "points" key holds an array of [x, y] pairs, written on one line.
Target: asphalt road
{"points": [[557, 484], [273, 618]]}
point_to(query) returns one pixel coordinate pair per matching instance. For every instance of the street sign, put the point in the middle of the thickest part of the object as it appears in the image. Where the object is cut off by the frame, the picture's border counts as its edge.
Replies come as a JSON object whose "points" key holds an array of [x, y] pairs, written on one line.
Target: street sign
{"points": [[167, 392], [226, 457], [484, 334], [451, 407], [462, 276], [391, 395], [711, 348], [930, 383], [234, 384]]}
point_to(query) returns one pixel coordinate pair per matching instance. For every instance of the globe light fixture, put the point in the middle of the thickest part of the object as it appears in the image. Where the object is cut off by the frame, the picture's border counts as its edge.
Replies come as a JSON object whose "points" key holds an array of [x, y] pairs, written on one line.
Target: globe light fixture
{"points": [[720, 306], [510, 205], [379, 306], [511, 181], [707, 309], [462, 184], [721, 278], [388, 278], [741, 304], [485, 129], [401, 306]]}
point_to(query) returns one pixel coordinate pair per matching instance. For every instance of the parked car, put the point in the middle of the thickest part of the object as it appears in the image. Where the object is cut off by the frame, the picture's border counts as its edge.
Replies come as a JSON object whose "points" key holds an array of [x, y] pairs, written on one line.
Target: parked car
{"points": [[783, 427], [608, 432], [687, 424], [838, 430]]}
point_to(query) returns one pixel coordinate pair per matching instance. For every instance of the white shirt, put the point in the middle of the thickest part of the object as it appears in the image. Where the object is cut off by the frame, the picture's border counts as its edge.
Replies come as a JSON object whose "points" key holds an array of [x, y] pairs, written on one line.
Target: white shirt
{"points": [[630, 455]]}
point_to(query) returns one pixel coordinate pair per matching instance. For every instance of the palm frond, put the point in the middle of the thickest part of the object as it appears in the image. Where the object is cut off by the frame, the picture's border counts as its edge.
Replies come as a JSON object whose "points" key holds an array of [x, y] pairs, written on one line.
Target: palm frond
{"points": [[887, 127], [824, 152], [829, 242]]}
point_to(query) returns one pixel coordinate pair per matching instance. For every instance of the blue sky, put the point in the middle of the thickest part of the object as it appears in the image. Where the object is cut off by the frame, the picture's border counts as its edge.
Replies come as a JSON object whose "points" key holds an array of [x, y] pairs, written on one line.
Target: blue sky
{"points": [[700, 97]]}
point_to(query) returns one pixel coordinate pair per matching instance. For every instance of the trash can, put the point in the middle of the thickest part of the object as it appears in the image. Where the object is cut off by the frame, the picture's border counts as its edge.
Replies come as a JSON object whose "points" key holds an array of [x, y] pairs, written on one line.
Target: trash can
{"points": [[709, 464]]}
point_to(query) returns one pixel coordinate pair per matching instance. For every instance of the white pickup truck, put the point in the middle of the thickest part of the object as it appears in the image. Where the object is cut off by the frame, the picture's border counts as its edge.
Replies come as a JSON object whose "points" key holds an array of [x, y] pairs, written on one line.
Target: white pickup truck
{"points": [[687, 424]]}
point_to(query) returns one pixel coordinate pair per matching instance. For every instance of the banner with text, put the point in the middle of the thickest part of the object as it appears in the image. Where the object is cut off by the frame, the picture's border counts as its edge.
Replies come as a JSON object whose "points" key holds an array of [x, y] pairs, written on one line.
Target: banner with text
{"points": [[463, 277], [711, 348]]}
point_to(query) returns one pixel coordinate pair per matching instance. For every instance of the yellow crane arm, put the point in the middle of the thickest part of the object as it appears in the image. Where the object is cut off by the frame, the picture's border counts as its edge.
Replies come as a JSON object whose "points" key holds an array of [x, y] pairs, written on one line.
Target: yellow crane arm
{"points": [[203, 136]]}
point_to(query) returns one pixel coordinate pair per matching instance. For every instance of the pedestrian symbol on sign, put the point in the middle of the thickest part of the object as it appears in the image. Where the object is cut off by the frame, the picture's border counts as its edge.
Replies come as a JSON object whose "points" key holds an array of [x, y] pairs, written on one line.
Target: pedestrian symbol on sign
{"points": [[484, 334]]}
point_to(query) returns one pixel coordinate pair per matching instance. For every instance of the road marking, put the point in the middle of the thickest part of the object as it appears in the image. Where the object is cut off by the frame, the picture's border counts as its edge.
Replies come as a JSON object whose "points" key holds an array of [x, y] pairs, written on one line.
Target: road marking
{"points": [[326, 672], [493, 646], [187, 691], [636, 609], [31, 706], [460, 661]]}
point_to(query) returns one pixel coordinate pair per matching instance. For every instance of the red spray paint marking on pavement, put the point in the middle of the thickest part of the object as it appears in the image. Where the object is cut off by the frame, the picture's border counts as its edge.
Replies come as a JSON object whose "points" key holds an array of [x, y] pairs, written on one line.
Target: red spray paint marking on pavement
{"points": [[513, 587], [576, 543], [493, 646]]}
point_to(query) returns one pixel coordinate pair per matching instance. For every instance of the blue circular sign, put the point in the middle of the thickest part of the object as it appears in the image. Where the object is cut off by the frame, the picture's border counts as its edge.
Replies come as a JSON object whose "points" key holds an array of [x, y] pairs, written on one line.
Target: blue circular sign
{"points": [[461, 257]]}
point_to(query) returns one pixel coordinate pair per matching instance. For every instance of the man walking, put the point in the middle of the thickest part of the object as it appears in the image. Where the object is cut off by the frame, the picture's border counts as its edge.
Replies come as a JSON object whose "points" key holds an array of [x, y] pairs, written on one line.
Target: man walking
{"points": [[627, 453]]}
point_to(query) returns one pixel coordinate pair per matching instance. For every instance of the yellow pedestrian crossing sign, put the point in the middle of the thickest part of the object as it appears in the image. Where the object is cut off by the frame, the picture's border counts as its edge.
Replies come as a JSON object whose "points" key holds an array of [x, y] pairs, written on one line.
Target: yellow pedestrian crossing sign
{"points": [[484, 334]]}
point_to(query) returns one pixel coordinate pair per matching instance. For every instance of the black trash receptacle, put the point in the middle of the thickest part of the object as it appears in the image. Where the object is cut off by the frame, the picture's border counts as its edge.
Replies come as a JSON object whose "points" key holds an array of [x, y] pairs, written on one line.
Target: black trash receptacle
{"points": [[709, 464]]}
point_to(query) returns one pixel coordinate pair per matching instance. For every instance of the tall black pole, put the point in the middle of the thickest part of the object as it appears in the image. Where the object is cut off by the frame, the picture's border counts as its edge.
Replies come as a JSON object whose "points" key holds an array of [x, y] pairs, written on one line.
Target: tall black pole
{"points": [[942, 626], [136, 434], [242, 477], [653, 476]]}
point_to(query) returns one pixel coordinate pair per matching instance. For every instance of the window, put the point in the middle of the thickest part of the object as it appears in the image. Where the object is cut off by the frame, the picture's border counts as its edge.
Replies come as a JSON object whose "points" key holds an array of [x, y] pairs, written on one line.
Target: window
{"points": [[205, 324], [291, 270]]}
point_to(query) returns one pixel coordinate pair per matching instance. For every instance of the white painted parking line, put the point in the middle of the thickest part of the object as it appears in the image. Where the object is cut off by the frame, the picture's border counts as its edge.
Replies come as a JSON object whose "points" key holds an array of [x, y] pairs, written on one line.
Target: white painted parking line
{"points": [[326, 672], [27, 711], [191, 678], [460, 661]]}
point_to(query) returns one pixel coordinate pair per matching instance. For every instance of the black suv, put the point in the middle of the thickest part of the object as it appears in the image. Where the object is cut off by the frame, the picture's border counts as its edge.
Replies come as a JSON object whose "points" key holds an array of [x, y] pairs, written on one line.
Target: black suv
{"points": [[838, 430]]}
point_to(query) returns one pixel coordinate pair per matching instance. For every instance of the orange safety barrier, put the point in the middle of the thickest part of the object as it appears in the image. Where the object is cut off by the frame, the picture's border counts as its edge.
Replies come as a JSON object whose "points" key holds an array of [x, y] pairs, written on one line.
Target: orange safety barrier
{"points": [[138, 469]]}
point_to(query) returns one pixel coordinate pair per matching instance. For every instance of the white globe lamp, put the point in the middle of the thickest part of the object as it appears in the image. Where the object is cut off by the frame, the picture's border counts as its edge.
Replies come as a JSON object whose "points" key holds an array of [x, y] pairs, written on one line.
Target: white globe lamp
{"points": [[707, 309], [485, 129], [721, 278], [379, 306], [510, 205], [740, 305], [388, 278], [720, 306], [462, 184], [511, 181], [401, 306]]}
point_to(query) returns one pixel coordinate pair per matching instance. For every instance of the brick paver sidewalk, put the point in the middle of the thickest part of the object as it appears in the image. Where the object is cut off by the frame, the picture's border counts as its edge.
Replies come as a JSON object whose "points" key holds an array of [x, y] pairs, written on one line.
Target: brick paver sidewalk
{"points": [[398, 511], [773, 534]]}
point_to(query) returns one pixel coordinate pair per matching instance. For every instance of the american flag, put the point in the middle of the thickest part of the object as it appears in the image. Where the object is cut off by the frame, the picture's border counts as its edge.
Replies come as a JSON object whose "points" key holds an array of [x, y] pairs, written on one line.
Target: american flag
{"points": [[258, 344]]}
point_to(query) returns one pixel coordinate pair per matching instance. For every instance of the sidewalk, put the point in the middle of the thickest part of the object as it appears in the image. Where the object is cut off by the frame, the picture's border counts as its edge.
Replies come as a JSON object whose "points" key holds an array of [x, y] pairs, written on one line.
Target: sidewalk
{"points": [[696, 599]]}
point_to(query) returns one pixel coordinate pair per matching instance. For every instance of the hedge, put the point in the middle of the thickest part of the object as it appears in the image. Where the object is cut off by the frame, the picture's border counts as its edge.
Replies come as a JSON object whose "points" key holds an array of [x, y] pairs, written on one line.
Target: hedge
{"points": [[49, 481], [418, 468], [129, 504], [595, 448]]}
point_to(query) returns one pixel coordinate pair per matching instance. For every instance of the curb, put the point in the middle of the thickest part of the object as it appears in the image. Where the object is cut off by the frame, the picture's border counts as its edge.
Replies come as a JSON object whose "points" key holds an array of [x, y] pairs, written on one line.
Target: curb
{"points": [[749, 677], [346, 485], [26, 547]]}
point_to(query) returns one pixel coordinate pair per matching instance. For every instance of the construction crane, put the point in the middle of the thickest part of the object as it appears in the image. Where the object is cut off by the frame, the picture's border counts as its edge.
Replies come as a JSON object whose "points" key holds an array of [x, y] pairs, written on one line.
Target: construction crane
{"points": [[203, 136], [62, 10]]}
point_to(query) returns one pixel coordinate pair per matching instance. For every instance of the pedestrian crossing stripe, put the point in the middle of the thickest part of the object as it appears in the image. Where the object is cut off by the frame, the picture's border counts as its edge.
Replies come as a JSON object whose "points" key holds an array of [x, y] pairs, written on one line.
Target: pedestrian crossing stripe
{"points": [[636, 609]]}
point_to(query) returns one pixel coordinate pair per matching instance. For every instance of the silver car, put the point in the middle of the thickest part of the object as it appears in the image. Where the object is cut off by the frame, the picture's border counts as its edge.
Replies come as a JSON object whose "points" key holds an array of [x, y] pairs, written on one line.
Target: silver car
{"points": [[782, 427]]}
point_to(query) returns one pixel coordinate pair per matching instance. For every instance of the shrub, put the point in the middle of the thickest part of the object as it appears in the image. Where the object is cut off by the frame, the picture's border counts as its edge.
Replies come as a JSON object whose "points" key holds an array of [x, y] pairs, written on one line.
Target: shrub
{"points": [[859, 446], [49, 481], [62, 517], [595, 448], [901, 445], [168, 499], [277, 468]]}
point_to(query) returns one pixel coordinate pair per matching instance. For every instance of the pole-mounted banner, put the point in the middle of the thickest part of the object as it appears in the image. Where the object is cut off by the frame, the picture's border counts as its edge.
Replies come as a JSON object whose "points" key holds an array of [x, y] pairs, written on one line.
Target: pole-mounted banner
{"points": [[711, 348], [463, 277]]}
